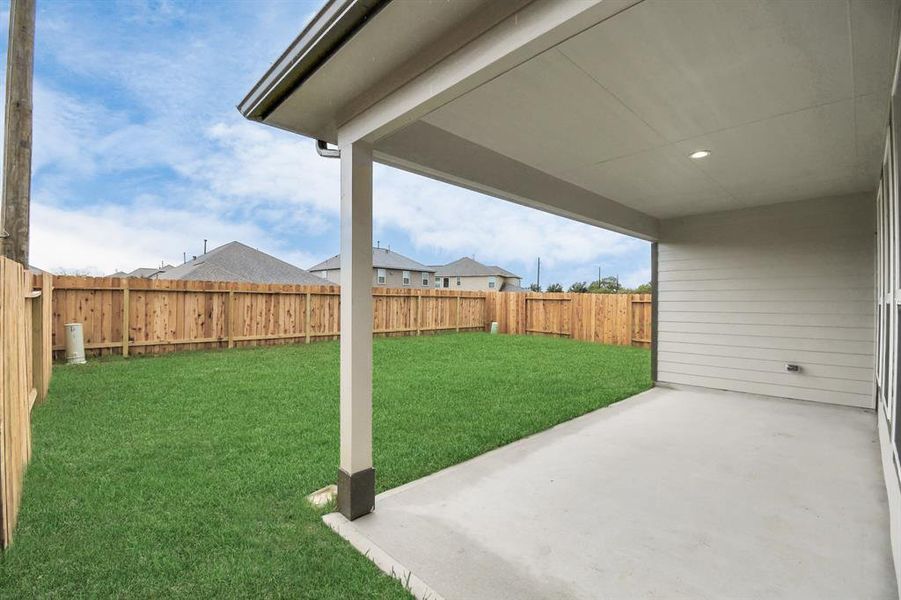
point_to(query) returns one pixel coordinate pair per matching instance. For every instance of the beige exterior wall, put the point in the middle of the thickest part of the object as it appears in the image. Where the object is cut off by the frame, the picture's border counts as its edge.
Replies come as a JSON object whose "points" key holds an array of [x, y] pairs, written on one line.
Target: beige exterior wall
{"points": [[477, 284], [394, 278], [744, 292]]}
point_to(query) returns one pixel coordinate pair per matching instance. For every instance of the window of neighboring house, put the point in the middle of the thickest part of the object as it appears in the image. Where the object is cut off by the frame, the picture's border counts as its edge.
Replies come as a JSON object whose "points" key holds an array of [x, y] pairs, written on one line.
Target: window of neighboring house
{"points": [[381, 276], [492, 282], [324, 274], [406, 278], [446, 282], [458, 280], [425, 280], [437, 282]]}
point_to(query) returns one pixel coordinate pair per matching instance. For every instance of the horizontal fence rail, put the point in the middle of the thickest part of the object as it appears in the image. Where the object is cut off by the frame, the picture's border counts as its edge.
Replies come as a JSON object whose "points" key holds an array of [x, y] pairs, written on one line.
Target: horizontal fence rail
{"points": [[139, 316], [619, 319]]}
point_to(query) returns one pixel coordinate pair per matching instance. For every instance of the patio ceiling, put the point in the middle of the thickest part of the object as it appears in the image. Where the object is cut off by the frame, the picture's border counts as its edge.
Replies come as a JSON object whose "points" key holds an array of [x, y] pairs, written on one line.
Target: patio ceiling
{"points": [[595, 117], [790, 98]]}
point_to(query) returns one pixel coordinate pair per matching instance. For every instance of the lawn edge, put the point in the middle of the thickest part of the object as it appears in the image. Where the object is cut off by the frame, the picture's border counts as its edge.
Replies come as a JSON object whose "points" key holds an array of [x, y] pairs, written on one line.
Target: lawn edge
{"points": [[385, 562]]}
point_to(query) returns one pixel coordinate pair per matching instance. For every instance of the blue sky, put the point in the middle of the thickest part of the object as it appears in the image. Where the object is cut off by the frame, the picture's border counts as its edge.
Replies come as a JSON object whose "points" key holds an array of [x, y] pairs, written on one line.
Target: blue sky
{"points": [[140, 154]]}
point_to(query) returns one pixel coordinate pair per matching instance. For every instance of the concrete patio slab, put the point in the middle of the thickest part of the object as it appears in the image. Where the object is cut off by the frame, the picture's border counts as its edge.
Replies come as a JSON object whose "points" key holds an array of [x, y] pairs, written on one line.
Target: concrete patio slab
{"points": [[674, 493]]}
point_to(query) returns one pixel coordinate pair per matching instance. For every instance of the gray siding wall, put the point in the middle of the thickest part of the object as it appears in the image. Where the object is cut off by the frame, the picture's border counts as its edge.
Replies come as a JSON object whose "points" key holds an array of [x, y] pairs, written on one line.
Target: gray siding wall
{"points": [[744, 292], [477, 283], [394, 278]]}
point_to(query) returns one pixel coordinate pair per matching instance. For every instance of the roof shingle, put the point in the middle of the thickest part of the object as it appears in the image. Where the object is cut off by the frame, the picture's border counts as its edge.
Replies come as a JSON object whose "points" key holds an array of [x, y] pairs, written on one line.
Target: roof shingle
{"points": [[467, 267], [382, 258], [235, 261]]}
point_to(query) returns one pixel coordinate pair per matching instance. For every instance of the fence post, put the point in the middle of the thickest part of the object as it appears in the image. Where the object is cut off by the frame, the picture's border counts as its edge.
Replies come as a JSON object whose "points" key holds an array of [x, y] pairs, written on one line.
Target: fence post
{"points": [[418, 313], [126, 321], [46, 333], [458, 315], [37, 344], [306, 321], [572, 316], [229, 317]]}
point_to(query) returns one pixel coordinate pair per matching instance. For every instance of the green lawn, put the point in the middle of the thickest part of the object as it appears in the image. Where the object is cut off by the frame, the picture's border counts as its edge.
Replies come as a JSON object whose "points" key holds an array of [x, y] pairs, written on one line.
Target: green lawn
{"points": [[185, 475]]}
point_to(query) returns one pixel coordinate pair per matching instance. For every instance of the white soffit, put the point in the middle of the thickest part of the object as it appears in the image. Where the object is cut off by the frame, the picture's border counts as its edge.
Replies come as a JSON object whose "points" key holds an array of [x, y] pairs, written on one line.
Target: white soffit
{"points": [[375, 60], [790, 97]]}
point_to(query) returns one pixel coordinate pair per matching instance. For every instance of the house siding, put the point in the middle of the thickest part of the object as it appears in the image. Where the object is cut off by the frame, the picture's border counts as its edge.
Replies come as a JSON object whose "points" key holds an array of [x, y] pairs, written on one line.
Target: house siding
{"points": [[478, 283], [744, 292], [394, 279]]}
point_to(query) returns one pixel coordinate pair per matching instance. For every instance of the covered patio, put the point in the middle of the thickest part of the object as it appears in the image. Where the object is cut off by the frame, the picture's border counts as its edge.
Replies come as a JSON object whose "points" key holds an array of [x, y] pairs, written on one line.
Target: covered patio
{"points": [[673, 493], [755, 145]]}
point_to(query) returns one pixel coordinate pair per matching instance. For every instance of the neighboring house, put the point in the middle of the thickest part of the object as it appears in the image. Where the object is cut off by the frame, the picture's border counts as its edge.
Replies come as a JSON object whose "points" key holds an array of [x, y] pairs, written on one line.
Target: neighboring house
{"points": [[467, 274], [150, 273], [235, 261], [756, 146], [143, 272], [389, 269]]}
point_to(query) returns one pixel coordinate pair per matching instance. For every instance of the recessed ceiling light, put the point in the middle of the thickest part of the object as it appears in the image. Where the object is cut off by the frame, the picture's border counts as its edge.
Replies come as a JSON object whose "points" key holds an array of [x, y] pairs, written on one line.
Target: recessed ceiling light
{"points": [[700, 154]]}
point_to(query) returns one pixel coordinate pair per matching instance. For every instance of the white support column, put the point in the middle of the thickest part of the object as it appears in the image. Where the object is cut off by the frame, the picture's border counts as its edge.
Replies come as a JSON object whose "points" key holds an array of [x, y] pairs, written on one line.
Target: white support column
{"points": [[356, 477]]}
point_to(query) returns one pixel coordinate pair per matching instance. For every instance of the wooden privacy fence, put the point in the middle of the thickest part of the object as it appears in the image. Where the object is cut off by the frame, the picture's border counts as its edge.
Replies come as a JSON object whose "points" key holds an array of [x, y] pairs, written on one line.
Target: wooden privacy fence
{"points": [[25, 363], [138, 316], [619, 319]]}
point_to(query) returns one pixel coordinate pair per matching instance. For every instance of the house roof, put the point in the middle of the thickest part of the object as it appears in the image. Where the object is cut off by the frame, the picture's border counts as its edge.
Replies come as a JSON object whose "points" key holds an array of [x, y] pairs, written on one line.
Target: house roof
{"points": [[142, 272], [349, 46], [382, 258], [235, 261], [512, 287], [468, 267]]}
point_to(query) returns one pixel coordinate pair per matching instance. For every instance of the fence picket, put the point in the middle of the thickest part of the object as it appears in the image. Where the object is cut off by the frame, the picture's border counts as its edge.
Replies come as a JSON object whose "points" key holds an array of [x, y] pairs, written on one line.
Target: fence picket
{"points": [[164, 316]]}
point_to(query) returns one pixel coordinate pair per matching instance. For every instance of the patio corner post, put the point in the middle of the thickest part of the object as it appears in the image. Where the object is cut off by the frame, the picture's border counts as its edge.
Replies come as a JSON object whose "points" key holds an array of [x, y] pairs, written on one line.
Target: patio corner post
{"points": [[356, 477]]}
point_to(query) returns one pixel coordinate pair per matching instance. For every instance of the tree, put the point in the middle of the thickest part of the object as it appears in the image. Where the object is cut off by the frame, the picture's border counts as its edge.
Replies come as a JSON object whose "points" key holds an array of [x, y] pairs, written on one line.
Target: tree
{"points": [[534, 287], [74, 272], [607, 285], [579, 287], [555, 287], [644, 288]]}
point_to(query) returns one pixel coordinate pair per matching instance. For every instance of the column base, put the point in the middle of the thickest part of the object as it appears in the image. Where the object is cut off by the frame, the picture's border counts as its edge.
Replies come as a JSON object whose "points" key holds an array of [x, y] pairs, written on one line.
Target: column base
{"points": [[356, 493]]}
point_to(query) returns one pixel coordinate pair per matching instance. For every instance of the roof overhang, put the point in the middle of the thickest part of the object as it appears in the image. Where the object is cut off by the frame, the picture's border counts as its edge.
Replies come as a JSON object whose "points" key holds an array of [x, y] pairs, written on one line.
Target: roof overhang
{"points": [[590, 109], [326, 32]]}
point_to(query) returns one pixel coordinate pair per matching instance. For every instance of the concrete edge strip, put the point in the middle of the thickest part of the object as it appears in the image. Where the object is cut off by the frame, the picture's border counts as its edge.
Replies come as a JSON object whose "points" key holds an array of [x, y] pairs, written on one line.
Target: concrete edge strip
{"points": [[384, 561]]}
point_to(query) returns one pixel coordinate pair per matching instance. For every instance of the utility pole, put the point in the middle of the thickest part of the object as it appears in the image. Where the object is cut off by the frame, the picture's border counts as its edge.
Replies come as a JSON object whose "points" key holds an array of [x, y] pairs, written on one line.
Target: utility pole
{"points": [[599, 275], [14, 217], [539, 272]]}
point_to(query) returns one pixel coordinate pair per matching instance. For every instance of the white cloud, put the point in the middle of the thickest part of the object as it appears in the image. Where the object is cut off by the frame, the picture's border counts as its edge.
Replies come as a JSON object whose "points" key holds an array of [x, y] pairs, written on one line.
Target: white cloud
{"points": [[440, 216], [110, 238], [637, 277], [260, 166]]}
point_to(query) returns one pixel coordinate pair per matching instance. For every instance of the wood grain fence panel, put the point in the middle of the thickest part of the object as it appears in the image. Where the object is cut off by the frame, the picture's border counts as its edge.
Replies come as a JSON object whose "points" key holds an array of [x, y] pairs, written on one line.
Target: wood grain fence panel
{"points": [[25, 334], [164, 316], [619, 319]]}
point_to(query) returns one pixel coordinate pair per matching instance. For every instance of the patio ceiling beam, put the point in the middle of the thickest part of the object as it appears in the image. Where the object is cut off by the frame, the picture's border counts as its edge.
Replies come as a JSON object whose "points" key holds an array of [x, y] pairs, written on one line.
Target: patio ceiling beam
{"points": [[538, 26], [433, 152], [356, 477]]}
